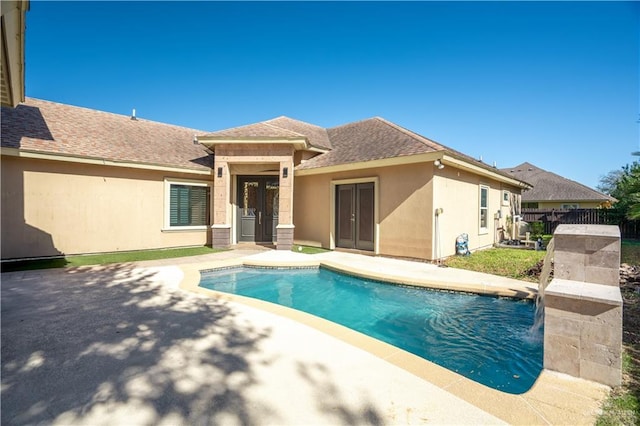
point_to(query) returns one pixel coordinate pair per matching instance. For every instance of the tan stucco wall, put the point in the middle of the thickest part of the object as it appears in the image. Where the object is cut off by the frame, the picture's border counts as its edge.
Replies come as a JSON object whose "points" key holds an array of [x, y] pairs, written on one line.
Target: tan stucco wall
{"points": [[457, 192], [408, 196], [54, 207], [404, 200]]}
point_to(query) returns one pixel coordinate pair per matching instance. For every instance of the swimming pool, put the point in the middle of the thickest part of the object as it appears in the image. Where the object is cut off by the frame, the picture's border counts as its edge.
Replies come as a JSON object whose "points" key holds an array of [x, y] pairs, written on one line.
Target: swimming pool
{"points": [[486, 339]]}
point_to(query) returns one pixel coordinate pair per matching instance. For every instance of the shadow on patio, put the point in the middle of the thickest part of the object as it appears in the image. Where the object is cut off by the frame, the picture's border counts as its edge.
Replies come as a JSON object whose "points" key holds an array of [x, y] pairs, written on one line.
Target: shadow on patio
{"points": [[124, 345]]}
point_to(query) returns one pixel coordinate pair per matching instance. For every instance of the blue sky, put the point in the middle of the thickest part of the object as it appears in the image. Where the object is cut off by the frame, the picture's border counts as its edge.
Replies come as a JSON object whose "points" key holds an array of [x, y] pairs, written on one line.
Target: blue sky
{"points": [[552, 83]]}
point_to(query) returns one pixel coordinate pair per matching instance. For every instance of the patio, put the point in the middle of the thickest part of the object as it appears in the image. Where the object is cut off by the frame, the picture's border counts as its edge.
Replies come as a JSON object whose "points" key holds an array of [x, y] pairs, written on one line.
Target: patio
{"points": [[128, 344]]}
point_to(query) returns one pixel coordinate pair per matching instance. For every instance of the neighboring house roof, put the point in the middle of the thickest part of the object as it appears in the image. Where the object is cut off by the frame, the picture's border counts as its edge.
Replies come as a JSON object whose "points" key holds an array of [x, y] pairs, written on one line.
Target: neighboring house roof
{"points": [[548, 186], [53, 128]]}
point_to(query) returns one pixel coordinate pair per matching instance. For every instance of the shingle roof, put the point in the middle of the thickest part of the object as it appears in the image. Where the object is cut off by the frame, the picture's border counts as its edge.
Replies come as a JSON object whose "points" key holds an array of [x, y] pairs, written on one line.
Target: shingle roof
{"points": [[280, 127], [50, 127], [316, 135], [256, 130], [548, 186], [367, 140], [360, 141]]}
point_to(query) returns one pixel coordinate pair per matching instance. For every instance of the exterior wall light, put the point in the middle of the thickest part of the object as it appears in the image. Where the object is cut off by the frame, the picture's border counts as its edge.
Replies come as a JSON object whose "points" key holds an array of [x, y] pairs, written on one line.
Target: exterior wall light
{"points": [[438, 164], [285, 172]]}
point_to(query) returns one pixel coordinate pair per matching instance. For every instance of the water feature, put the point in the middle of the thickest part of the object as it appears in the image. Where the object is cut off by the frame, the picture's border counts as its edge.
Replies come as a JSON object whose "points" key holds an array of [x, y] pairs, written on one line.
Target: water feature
{"points": [[486, 339], [543, 282]]}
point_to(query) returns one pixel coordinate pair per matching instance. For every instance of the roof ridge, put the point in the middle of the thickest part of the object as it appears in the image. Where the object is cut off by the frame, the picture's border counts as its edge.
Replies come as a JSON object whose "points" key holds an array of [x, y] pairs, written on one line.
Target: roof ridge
{"points": [[111, 114], [293, 119], [557, 176], [351, 123], [283, 129], [412, 134]]}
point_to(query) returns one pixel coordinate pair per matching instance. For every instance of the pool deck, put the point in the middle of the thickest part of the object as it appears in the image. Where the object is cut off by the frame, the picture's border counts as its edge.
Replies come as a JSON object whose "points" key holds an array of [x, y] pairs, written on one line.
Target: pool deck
{"points": [[143, 344]]}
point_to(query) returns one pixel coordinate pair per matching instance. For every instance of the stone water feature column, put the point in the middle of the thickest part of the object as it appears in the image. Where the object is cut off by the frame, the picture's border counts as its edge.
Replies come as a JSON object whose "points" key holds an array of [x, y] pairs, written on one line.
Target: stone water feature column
{"points": [[583, 304]]}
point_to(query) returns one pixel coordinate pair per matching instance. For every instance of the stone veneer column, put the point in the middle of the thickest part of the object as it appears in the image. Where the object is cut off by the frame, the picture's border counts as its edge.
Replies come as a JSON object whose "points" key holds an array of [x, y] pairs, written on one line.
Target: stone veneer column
{"points": [[583, 304], [221, 228], [589, 253], [285, 227]]}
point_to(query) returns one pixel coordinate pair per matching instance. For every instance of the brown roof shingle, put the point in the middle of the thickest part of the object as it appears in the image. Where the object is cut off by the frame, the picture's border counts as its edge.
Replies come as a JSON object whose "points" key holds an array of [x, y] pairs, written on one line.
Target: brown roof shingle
{"points": [[360, 141], [280, 127], [549, 186], [367, 140], [55, 128]]}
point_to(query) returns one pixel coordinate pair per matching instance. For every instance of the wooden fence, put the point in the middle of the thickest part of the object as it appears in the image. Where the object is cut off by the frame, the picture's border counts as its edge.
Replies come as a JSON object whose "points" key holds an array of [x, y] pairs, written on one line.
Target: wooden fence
{"points": [[551, 218]]}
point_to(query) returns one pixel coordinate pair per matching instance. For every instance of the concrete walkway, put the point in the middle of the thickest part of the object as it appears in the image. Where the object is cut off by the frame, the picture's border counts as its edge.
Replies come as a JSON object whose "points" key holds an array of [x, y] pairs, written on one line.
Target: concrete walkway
{"points": [[136, 344]]}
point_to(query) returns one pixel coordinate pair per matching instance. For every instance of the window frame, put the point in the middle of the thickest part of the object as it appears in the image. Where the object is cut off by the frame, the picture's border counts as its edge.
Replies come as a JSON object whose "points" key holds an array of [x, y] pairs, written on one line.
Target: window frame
{"points": [[570, 206], [506, 196], [168, 182], [483, 230]]}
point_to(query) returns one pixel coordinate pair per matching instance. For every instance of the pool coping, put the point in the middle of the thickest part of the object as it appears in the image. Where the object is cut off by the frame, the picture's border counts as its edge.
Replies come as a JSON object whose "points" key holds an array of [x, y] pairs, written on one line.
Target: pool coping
{"points": [[553, 399]]}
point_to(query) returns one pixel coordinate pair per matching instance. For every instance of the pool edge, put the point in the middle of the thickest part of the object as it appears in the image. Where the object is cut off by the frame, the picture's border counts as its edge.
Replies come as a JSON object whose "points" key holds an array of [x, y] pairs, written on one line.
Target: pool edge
{"points": [[552, 399]]}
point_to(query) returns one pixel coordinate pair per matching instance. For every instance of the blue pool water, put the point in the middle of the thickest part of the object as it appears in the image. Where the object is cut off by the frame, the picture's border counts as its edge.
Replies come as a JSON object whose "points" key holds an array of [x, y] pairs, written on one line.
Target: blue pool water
{"points": [[486, 339]]}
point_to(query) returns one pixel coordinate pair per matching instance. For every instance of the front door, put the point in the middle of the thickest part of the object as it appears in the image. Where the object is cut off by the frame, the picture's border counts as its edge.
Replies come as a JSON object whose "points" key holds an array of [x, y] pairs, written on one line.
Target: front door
{"points": [[257, 208], [355, 216]]}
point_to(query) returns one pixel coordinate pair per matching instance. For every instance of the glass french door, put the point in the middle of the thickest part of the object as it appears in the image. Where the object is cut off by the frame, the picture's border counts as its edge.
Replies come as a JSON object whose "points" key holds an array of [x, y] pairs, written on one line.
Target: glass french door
{"points": [[257, 208], [355, 216]]}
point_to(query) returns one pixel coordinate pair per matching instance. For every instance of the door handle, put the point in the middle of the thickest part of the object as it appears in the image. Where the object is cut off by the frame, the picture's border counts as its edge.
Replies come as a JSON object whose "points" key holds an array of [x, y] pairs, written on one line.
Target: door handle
{"points": [[259, 218]]}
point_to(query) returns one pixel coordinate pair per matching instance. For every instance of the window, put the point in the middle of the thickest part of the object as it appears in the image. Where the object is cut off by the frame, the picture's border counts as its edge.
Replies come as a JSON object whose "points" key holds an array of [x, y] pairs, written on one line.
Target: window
{"points": [[530, 205], [570, 206], [505, 198], [188, 204], [484, 209]]}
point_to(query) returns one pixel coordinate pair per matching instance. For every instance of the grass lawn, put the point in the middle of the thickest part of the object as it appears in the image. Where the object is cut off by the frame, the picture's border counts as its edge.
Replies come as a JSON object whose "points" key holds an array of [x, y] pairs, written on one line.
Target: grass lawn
{"points": [[307, 249], [106, 258], [506, 262], [630, 252]]}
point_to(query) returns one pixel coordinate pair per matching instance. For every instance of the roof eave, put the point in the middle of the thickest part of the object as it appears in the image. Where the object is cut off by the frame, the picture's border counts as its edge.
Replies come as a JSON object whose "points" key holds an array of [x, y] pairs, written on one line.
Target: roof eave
{"points": [[100, 161], [451, 159], [212, 141]]}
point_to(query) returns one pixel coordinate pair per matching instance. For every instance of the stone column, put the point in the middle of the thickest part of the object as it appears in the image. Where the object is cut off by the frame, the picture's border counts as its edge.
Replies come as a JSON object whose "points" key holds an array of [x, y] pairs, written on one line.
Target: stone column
{"points": [[589, 253], [583, 304], [221, 228], [285, 227]]}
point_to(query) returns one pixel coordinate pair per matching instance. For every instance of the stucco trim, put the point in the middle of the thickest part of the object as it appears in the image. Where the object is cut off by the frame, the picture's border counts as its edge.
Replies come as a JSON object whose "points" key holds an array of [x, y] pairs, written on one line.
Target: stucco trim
{"points": [[15, 152], [449, 160], [412, 159], [210, 142], [385, 162]]}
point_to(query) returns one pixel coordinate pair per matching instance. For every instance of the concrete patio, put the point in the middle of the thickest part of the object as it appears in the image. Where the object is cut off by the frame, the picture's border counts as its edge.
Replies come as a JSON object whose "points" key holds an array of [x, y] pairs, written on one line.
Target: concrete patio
{"points": [[142, 344]]}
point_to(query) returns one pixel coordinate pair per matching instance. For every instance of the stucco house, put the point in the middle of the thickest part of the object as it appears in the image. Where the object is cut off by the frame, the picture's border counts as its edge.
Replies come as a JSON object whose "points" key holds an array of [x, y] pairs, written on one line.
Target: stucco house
{"points": [[76, 180], [552, 191]]}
